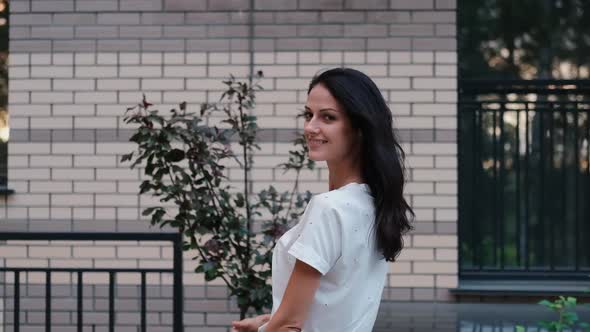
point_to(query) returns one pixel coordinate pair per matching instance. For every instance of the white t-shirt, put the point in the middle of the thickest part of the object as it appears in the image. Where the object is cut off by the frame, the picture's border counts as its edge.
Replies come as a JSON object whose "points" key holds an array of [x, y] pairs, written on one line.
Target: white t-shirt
{"points": [[336, 237]]}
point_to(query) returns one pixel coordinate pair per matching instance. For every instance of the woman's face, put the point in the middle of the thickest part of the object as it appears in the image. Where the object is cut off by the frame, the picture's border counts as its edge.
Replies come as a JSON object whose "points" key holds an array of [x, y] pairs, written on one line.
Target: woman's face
{"points": [[327, 128]]}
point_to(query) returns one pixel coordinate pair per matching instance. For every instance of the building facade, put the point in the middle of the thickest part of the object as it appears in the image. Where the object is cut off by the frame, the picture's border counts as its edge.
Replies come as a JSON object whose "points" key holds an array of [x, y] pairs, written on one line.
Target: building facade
{"points": [[76, 65]]}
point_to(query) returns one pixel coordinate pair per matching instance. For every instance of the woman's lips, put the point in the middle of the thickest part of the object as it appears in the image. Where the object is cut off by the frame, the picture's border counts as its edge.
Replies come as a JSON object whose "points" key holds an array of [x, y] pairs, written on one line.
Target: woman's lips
{"points": [[316, 142]]}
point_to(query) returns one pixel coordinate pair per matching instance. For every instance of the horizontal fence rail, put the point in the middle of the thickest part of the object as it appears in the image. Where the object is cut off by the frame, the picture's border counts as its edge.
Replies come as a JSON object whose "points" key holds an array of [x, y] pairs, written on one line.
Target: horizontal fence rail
{"points": [[176, 271], [524, 179]]}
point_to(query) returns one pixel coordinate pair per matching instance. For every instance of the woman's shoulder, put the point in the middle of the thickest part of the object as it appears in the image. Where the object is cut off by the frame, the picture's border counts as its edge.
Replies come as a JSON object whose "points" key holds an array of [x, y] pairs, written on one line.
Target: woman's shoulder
{"points": [[352, 195]]}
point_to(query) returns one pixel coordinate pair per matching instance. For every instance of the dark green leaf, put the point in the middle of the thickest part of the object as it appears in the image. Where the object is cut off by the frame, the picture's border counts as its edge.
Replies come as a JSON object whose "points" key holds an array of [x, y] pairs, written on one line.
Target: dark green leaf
{"points": [[126, 157], [145, 186], [240, 201], [545, 303]]}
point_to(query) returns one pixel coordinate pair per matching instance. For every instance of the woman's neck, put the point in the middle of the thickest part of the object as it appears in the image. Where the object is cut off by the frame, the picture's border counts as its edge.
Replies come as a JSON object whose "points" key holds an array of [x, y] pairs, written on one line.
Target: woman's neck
{"points": [[342, 173]]}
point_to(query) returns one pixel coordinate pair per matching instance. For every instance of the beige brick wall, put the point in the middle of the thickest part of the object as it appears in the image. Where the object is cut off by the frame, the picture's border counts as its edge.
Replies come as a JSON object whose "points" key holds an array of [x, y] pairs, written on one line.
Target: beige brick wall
{"points": [[86, 183]]}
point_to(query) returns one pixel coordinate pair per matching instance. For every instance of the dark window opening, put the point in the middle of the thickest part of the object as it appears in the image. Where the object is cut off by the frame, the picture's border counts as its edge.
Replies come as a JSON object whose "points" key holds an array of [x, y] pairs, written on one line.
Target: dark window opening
{"points": [[524, 139]]}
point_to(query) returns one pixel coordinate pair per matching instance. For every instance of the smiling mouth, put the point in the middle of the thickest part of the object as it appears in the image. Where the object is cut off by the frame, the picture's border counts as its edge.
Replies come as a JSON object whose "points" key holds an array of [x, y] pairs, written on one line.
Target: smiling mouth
{"points": [[317, 141]]}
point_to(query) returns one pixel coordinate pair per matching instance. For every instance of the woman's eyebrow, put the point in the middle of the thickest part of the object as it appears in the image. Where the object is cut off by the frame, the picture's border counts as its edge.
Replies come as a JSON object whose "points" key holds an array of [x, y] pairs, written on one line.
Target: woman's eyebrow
{"points": [[323, 109]]}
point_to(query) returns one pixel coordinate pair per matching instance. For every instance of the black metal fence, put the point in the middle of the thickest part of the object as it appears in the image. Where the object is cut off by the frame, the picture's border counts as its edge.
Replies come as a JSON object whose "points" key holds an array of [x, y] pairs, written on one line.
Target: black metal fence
{"points": [[177, 300], [524, 179]]}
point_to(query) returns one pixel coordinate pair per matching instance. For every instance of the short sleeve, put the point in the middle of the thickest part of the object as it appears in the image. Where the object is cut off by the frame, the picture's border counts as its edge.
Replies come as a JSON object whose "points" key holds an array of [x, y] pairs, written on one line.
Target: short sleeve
{"points": [[319, 244]]}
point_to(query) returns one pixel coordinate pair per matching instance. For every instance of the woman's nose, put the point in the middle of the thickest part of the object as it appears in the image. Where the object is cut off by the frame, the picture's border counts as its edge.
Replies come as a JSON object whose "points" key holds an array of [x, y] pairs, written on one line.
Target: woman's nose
{"points": [[311, 127]]}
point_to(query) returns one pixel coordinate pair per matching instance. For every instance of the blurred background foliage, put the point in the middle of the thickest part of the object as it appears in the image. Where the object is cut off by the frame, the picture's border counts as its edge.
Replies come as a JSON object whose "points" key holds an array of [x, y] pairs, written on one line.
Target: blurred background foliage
{"points": [[528, 39]]}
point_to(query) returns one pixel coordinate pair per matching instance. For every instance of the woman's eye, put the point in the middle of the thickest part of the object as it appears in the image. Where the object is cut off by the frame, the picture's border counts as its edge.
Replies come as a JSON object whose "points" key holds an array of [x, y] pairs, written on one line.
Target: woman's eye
{"points": [[309, 115]]}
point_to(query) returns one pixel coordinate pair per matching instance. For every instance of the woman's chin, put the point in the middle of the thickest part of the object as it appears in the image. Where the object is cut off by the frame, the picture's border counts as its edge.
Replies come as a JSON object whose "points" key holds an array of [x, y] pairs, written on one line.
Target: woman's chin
{"points": [[315, 157]]}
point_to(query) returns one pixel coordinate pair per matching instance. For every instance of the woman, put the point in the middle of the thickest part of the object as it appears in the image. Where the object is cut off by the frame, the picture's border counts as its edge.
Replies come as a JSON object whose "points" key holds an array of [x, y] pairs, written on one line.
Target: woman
{"points": [[329, 270]]}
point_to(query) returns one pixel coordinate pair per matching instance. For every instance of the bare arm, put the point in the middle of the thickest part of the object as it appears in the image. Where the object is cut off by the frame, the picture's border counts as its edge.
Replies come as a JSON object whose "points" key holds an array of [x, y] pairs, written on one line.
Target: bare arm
{"points": [[297, 299], [250, 324]]}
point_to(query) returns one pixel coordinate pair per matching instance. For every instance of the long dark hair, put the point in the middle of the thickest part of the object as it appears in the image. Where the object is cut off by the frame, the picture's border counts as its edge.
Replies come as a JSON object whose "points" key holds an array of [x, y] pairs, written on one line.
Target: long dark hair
{"points": [[383, 166]]}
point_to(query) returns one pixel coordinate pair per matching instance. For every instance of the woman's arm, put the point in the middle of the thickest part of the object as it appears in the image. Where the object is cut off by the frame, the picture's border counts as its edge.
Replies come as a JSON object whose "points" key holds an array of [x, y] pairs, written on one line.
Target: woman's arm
{"points": [[250, 324], [297, 299]]}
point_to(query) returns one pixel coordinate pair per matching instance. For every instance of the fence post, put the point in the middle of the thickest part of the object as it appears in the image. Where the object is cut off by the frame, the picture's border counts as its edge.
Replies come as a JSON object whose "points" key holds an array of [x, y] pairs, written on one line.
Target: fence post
{"points": [[177, 287]]}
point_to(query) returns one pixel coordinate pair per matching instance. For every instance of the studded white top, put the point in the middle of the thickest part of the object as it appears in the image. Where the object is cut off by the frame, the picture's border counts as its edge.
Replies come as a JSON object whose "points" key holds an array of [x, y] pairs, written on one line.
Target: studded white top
{"points": [[335, 237]]}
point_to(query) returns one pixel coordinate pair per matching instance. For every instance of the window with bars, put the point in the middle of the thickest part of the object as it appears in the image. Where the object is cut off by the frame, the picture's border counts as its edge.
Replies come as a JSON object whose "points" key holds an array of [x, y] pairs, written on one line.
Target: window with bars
{"points": [[524, 178], [523, 121]]}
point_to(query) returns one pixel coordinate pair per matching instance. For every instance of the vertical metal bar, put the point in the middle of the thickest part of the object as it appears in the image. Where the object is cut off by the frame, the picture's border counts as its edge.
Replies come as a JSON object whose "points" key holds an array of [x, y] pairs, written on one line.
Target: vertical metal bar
{"points": [[517, 189], [501, 219], [111, 301], [79, 296], [564, 213], [177, 287], [551, 159], [143, 303], [576, 191], [475, 162], [479, 171], [541, 204], [48, 301], [494, 189], [526, 191], [587, 251], [16, 301]]}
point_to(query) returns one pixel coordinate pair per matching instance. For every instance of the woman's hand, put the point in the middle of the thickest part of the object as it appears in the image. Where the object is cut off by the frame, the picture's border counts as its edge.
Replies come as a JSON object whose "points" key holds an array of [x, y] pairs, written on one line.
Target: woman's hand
{"points": [[249, 324]]}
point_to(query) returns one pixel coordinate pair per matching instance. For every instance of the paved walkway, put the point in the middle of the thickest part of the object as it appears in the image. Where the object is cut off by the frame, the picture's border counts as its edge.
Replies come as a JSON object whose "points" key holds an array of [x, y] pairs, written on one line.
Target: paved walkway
{"points": [[462, 317]]}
